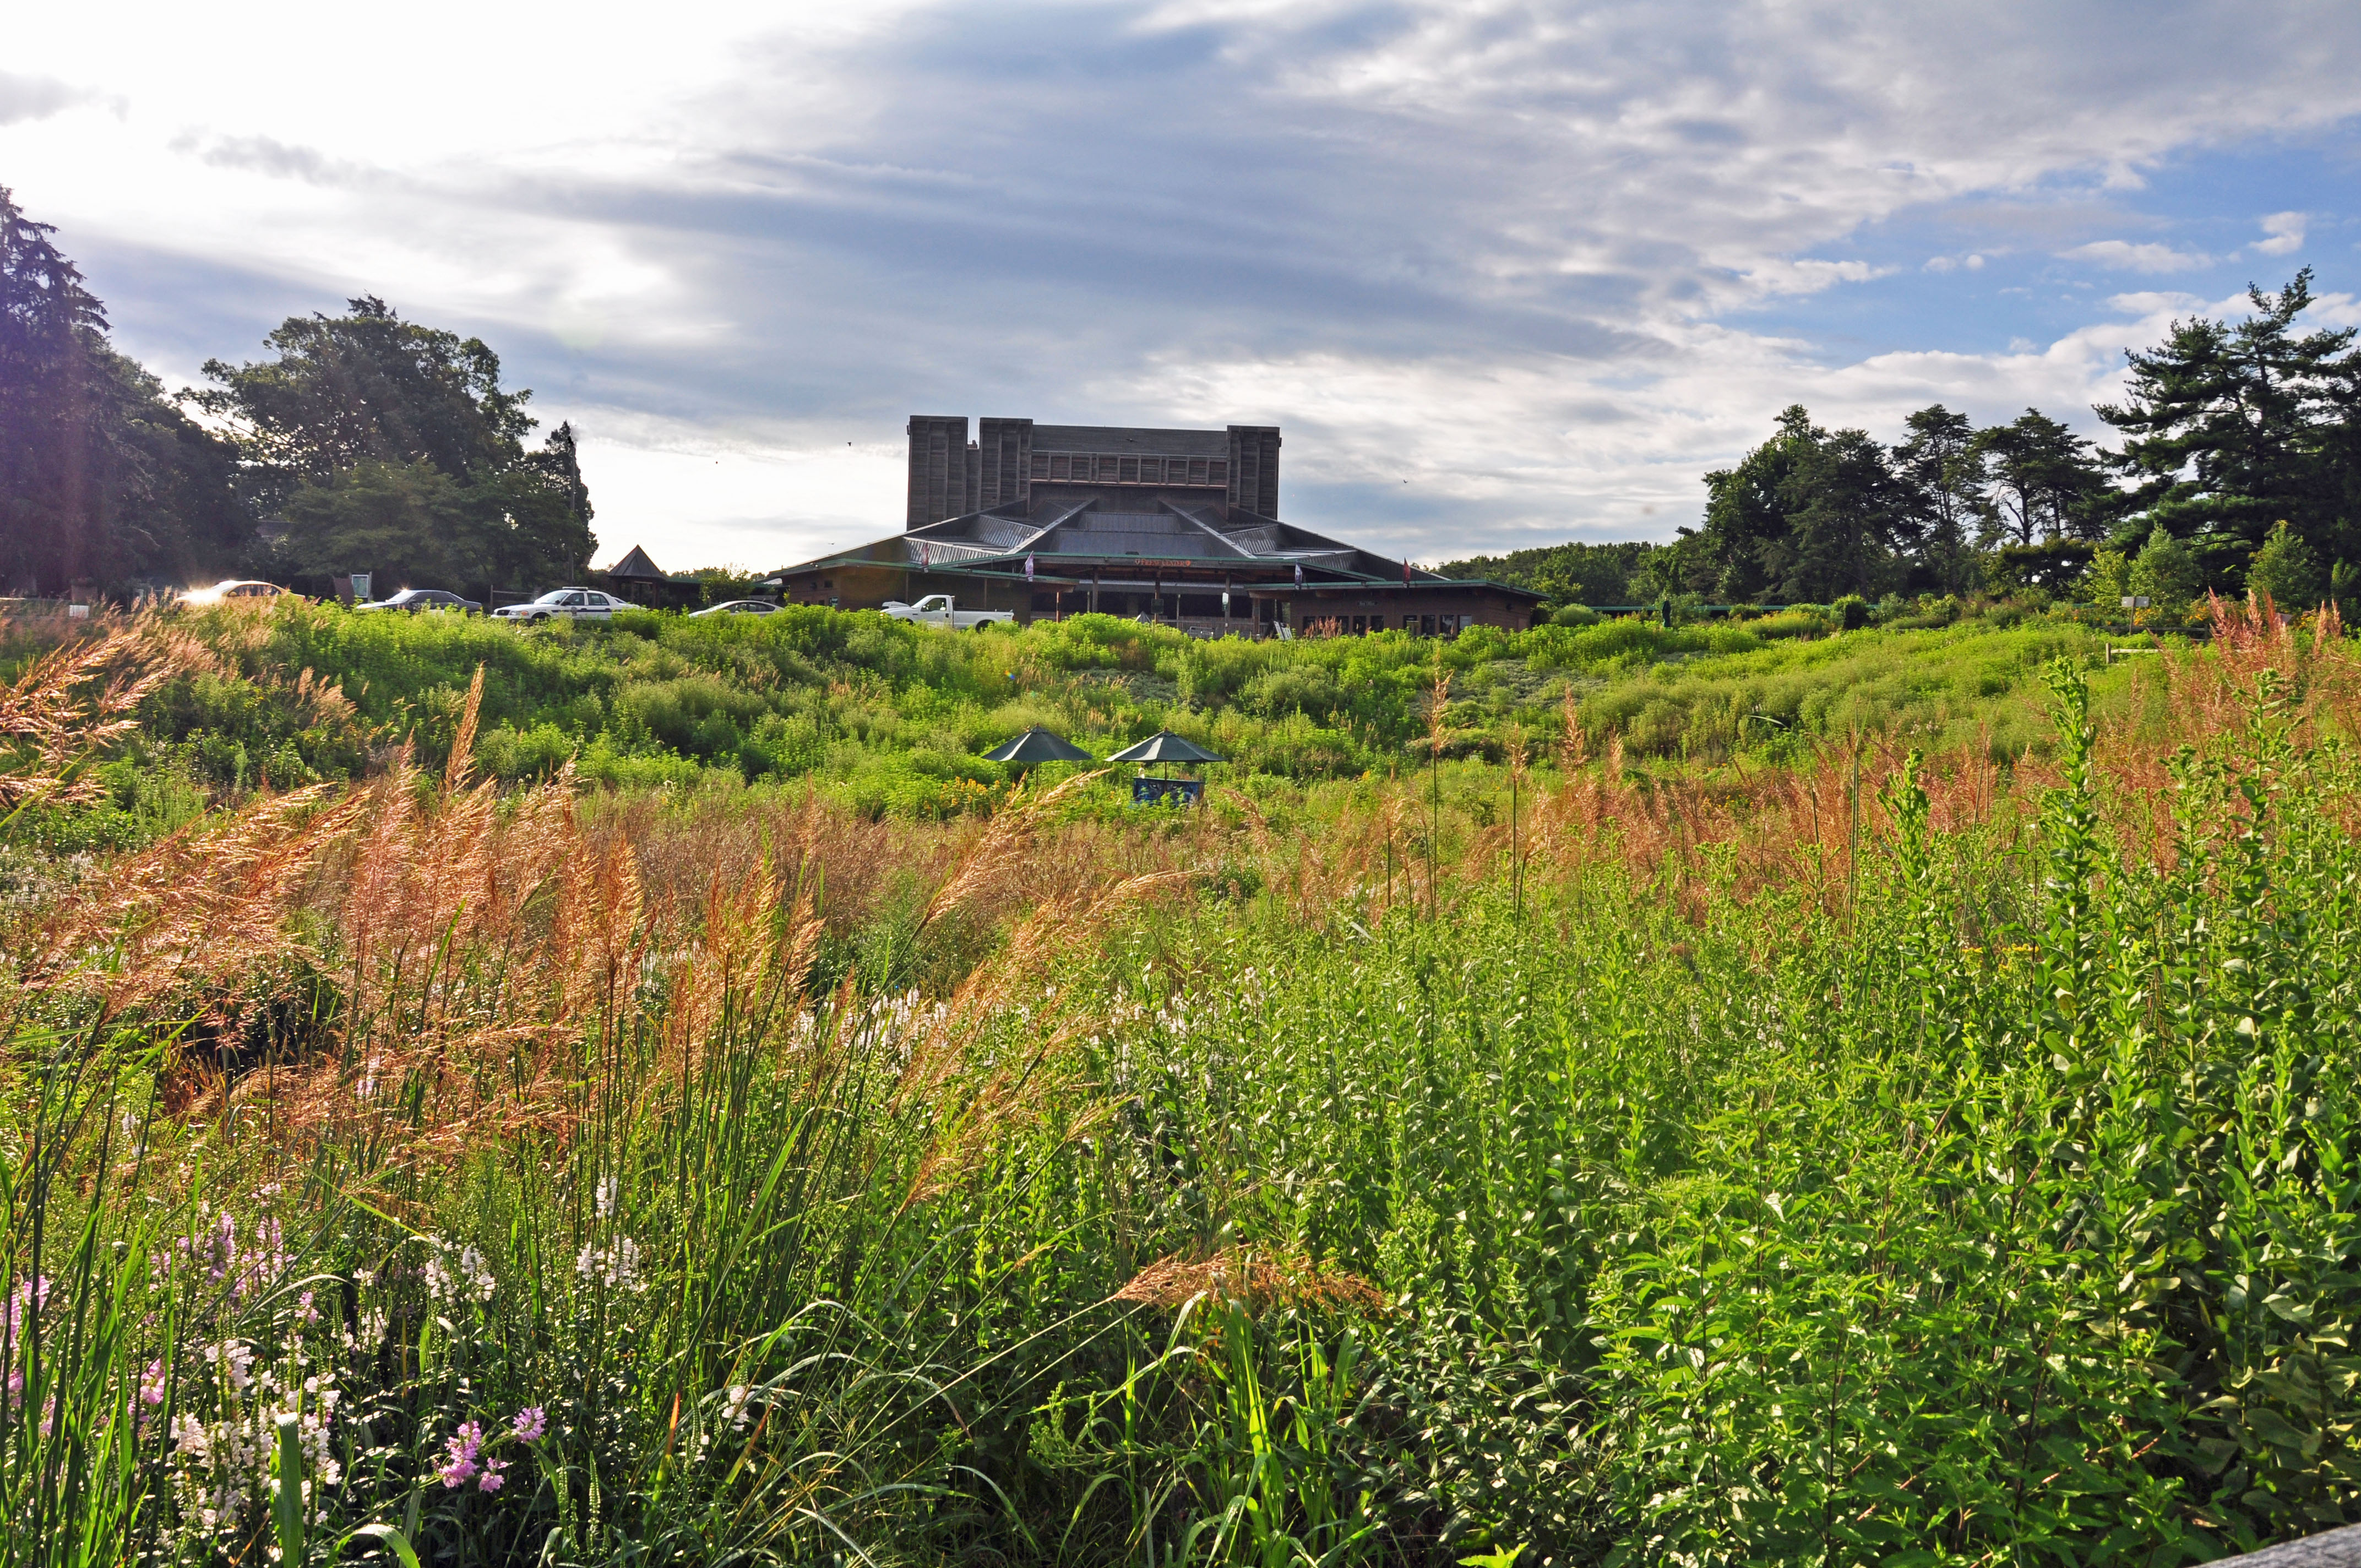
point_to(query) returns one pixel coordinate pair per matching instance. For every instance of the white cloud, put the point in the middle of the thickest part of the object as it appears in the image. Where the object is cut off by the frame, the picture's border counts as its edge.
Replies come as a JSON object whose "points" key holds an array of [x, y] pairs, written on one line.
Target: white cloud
{"points": [[2286, 232], [36, 97], [1497, 247], [2126, 257]]}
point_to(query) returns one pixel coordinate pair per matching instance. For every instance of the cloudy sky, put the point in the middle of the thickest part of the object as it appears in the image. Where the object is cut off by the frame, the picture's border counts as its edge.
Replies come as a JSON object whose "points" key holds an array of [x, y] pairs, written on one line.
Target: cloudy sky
{"points": [[1507, 273]]}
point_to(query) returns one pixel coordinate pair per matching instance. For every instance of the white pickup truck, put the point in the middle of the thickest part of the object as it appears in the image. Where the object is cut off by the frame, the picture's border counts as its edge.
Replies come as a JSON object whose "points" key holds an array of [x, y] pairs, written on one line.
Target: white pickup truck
{"points": [[937, 609]]}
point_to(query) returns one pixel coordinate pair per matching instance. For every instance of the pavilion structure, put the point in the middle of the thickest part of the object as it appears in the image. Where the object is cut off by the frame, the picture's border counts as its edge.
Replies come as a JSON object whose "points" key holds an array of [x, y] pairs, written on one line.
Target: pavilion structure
{"points": [[1173, 526]]}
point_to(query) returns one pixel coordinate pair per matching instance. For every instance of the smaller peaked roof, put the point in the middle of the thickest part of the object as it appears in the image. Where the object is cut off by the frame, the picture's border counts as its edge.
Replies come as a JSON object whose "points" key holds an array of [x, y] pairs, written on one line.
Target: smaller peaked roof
{"points": [[636, 565], [1166, 747], [1038, 745]]}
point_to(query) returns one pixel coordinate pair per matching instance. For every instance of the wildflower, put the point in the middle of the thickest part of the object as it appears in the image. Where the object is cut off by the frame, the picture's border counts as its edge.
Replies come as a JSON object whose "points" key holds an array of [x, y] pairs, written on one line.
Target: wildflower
{"points": [[735, 1410], [152, 1389], [529, 1423], [465, 1450], [615, 1265], [188, 1437], [466, 1278], [605, 1197], [491, 1481], [305, 1310]]}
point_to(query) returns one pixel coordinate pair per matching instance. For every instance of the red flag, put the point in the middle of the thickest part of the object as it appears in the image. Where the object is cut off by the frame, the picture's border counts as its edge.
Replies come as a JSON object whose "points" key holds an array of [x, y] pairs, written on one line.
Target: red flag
{"points": [[1405, 571]]}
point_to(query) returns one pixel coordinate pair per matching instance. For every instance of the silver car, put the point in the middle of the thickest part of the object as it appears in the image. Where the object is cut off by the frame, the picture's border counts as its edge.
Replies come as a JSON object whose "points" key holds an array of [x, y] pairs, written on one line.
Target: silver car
{"points": [[574, 604]]}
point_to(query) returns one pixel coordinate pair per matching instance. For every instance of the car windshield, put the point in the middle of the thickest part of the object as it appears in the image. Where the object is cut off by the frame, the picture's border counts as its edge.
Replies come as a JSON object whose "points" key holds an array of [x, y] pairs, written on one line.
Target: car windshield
{"points": [[554, 596]]}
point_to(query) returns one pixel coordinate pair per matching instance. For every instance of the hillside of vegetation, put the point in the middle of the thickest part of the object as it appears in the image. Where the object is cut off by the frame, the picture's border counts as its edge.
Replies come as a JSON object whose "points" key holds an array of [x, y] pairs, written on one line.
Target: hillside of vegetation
{"points": [[1851, 1157], [888, 718]]}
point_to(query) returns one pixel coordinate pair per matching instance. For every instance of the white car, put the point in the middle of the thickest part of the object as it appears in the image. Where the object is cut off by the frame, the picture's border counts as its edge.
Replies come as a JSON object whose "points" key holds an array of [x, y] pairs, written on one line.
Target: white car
{"points": [[233, 588], [575, 604], [937, 609]]}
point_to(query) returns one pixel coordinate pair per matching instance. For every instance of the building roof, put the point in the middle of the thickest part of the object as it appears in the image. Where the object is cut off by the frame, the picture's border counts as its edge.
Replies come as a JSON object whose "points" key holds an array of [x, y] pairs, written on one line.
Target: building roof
{"points": [[637, 564], [1070, 540]]}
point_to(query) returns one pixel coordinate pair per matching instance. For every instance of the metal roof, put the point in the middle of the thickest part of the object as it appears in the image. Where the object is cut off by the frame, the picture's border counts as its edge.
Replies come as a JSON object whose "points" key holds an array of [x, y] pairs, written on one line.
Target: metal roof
{"points": [[1067, 537]]}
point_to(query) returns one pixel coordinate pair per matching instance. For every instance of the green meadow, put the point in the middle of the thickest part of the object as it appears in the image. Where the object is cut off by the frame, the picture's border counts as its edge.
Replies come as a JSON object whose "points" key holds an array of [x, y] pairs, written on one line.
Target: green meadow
{"points": [[1607, 1094]]}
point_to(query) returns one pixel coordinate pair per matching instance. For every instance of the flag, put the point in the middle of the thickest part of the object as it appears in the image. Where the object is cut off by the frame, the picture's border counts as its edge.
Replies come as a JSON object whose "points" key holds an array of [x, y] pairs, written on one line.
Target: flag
{"points": [[1299, 574], [1405, 571], [1029, 565]]}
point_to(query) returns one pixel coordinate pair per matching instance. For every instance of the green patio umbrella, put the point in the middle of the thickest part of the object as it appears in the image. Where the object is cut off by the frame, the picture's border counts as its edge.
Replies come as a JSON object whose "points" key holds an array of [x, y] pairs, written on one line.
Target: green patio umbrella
{"points": [[1038, 745], [1165, 747]]}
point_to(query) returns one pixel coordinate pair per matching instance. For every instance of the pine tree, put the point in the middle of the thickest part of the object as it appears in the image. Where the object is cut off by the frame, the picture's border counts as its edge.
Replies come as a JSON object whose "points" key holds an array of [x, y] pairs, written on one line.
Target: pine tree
{"points": [[2286, 570], [2231, 428], [49, 490]]}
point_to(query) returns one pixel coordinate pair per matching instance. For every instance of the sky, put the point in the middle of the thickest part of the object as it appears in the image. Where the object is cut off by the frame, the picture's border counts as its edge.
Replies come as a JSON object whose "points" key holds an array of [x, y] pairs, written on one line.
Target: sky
{"points": [[1504, 273]]}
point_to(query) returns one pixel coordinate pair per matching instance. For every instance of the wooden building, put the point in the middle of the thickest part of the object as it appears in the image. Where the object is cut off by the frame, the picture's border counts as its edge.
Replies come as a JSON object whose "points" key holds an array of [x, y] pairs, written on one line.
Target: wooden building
{"points": [[1177, 526]]}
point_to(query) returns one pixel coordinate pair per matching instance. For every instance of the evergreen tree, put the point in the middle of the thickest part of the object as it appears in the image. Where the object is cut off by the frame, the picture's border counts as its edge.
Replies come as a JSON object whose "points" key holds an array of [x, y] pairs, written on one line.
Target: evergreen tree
{"points": [[1942, 479], [2167, 574], [101, 478], [2286, 570], [48, 484], [2041, 480], [2230, 428]]}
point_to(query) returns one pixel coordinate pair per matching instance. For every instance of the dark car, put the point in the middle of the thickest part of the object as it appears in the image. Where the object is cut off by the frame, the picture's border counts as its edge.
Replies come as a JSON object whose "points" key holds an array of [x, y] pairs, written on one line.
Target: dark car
{"points": [[738, 607], [416, 599]]}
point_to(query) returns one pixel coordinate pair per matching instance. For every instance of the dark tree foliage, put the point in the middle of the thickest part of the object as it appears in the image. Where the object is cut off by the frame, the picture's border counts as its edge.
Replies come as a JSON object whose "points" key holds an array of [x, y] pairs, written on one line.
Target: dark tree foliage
{"points": [[1567, 573], [2230, 428], [102, 480], [389, 447], [1806, 517], [2041, 482], [1942, 479]]}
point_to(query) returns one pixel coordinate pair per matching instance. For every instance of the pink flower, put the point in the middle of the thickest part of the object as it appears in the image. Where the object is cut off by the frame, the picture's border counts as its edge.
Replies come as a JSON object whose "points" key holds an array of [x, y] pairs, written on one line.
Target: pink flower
{"points": [[464, 1448], [492, 1468], [530, 1423]]}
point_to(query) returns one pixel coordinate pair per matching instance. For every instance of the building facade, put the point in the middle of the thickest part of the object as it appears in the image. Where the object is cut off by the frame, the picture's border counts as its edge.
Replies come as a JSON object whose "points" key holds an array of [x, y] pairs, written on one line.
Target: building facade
{"points": [[1175, 526]]}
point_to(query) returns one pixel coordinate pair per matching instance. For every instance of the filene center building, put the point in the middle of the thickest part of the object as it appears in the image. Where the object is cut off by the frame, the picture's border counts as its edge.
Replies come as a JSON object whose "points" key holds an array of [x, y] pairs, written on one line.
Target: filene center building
{"points": [[1175, 526]]}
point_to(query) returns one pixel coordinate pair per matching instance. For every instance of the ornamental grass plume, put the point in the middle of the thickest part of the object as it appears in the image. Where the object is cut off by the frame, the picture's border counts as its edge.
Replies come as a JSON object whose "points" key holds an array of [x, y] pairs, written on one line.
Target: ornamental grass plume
{"points": [[1259, 1279], [81, 696], [193, 919], [1000, 847]]}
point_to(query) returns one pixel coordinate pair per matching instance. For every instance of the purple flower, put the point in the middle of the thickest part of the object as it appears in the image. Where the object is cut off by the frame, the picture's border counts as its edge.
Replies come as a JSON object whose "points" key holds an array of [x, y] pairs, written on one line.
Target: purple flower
{"points": [[464, 1448], [530, 1423], [492, 1468]]}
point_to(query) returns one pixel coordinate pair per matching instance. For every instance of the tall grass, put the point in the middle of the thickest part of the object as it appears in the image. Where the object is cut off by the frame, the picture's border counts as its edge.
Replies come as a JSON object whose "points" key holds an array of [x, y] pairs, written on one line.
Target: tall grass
{"points": [[1952, 1166], [890, 720]]}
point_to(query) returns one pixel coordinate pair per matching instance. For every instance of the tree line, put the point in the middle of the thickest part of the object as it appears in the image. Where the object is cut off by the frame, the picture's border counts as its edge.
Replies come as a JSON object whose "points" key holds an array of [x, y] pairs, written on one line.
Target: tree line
{"points": [[2239, 465], [362, 441]]}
